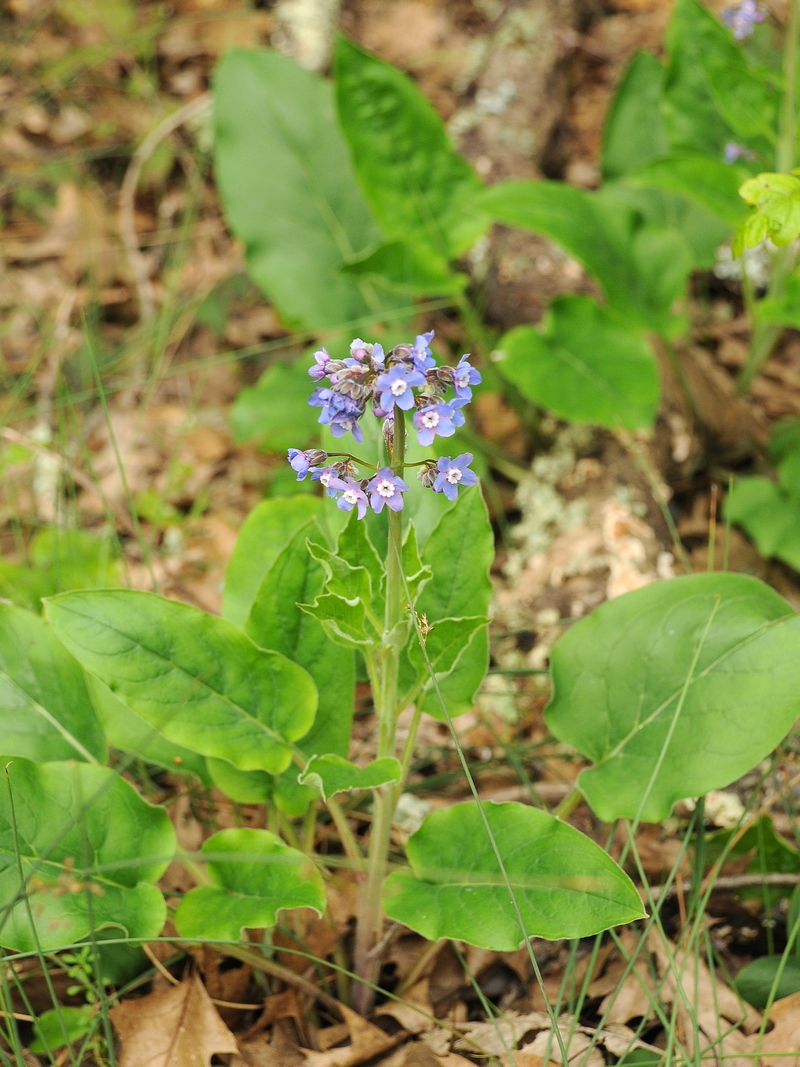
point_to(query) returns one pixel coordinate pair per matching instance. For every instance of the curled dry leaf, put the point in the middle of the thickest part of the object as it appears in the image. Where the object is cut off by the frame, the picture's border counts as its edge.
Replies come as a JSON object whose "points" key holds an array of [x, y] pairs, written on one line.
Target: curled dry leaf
{"points": [[405, 1013], [366, 1041], [785, 1035], [175, 1027]]}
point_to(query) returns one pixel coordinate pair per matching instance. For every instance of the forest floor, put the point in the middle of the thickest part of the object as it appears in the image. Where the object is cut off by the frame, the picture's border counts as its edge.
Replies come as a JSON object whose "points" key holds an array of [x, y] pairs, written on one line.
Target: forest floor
{"points": [[579, 514]]}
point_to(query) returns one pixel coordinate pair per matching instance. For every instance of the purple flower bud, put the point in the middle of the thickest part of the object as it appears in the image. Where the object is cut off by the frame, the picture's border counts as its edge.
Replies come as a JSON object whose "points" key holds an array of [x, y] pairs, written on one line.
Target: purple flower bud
{"points": [[435, 421], [386, 488], [464, 376], [351, 495], [395, 387], [388, 431], [321, 361], [359, 349], [452, 473], [734, 152], [740, 20]]}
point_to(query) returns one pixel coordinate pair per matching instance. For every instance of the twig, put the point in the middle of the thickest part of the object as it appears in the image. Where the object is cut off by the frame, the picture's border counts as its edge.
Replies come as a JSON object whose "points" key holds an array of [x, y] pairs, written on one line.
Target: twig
{"points": [[127, 197], [731, 881], [162, 970]]}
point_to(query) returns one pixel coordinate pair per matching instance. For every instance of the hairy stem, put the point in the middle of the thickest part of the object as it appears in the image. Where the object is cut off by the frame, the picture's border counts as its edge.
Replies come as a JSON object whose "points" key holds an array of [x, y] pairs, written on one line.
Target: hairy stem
{"points": [[386, 700]]}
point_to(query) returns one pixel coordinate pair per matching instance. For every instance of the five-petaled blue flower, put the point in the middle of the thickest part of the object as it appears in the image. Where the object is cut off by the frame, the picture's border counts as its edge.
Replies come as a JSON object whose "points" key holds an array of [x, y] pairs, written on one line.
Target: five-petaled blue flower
{"points": [[436, 421], [326, 476], [421, 353], [452, 473], [351, 495], [386, 488], [299, 462], [465, 375], [395, 387]]}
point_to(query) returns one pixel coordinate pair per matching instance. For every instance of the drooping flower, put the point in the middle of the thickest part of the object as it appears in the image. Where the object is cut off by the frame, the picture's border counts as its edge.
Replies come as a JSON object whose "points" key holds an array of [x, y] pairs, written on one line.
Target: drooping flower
{"points": [[351, 495], [320, 368], [436, 420], [396, 387], [342, 422], [452, 473], [741, 19], [386, 488], [465, 375], [303, 461]]}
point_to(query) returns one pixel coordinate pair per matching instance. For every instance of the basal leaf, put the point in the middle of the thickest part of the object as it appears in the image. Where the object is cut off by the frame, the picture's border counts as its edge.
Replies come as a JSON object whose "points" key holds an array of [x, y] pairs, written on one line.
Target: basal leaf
{"points": [[710, 183], [755, 982], [266, 530], [332, 774], [289, 190], [584, 366], [634, 131], [675, 689], [243, 787], [420, 189], [90, 848], [255, 876], [769, 514], [46, 712], [275, 412], [564, 884], [197, 678], [408, 267]]}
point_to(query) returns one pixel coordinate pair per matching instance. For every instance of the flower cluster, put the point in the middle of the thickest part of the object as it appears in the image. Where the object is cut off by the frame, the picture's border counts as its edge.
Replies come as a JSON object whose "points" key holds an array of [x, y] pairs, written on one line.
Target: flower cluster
{"points": [[740, 20], [406, 378]]}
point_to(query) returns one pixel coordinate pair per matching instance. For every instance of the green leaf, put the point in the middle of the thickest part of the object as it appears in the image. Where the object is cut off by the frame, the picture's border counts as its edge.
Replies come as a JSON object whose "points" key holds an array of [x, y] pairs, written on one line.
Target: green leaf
{"points": [[289, 190], [584, 366], [634, 131], [276, 621], [755, 981], [343, 620], [62, 813], [775, 199], [407, 267], [243, 787], [276, 411], [711, 184], [59, 559], [46, 712], [332, 774], [417, 574], [340, 577], [784, 310], [127, 731], [355, 548], [197, 678], [626, 693], [266, 530], [564, 884], [459, 552], [445, 643], [255, 875], [421, 191], [50, 1027], [642, 268], [769, 514]]}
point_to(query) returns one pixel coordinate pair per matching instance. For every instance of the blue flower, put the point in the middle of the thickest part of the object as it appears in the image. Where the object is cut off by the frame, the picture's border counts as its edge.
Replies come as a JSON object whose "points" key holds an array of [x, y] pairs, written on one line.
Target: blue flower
{"points": [[386, 488], [320, 368], [465, 375], [395, 387], [351, 495], [452, 473], [326, 476], [734, 151], [421, 353], [435, 421], [341, 422], [740, 20], [339, 412], [303, 462]]}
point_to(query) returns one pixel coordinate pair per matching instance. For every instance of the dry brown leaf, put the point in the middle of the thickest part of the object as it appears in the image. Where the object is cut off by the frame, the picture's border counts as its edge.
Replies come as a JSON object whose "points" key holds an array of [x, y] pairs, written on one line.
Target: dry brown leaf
{"points": [[175, 1027], [412, 1021], [511, 1026], [366, 1041], [785, 1036]]}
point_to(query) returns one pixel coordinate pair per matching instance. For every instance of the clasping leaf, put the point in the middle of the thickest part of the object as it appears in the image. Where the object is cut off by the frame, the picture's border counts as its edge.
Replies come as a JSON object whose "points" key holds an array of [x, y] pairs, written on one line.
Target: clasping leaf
{"points": [[332, 774]]}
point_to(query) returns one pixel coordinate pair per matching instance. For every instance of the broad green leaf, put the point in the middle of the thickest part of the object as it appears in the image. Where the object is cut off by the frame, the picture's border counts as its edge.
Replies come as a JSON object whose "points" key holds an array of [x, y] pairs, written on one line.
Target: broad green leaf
{"points": [[419, 187], [755, 981], [332, 774], [641, 268], [564, 884], [127, 731], [675, 689], [340, 577], [197, 678], [243, 787], [50, 1028], [784, 309], [769, 514], [408, 267], [59, 559], [255, 875], [266, 530], [634, 131], [355, 548], [711, 184], [417, 574], [343, 620], [46, 712], [289, 190], [276, 621], [775, 200], [459, 552], [276, 412], [444, 644], [78, 825], [584, 366]]}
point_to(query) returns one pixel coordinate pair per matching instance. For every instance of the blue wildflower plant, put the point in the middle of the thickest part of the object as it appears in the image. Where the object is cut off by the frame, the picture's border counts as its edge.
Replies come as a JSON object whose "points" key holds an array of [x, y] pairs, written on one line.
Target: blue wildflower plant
{"points": [[404, 380]]}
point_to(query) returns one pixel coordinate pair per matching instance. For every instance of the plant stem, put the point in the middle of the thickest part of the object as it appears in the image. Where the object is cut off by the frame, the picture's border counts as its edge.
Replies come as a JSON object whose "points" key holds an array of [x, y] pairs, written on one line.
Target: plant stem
{"points": [[386, 699], [766, 334]]}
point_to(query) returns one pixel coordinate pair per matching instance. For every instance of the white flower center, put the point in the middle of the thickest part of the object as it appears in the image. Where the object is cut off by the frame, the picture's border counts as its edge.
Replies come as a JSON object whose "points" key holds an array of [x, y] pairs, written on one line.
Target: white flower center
{"points": [[325, 479], [398, 387], [350, 495], [385, 488], [461, 379], [454, 475], [430, 420]]}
